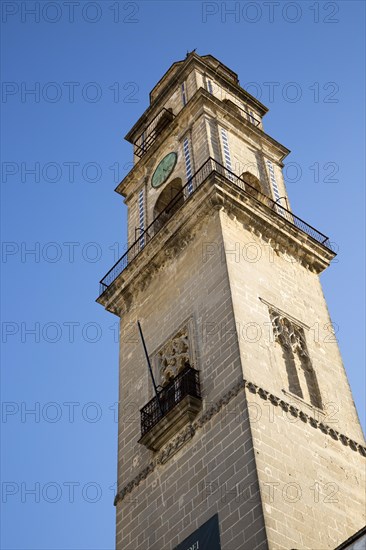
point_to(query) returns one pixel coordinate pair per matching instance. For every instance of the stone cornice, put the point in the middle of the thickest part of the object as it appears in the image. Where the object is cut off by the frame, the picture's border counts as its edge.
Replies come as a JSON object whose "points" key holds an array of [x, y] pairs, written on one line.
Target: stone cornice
{"points": [[274, 230], [214, 193], [165, 246], [188, 433]]}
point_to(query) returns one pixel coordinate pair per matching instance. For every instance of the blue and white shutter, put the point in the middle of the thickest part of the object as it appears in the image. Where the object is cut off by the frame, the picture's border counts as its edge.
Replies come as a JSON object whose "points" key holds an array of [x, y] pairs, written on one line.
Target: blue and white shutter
{"points": [[188, 163], [141, 209], [226, 150], [274, 186]]}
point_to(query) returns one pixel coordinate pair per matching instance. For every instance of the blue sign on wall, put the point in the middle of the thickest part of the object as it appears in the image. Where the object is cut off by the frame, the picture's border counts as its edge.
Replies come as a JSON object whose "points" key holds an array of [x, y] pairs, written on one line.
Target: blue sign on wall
{"points": [[206, 537]]}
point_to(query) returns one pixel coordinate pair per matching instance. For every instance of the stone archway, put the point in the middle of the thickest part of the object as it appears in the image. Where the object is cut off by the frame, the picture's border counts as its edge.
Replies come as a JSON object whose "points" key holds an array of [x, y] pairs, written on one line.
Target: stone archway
{"points": [[168, 202], [252, 180]]}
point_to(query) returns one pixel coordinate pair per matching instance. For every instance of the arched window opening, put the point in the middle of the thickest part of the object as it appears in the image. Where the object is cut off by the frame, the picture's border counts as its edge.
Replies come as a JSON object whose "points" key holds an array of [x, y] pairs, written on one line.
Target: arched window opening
{"points": [[252, 180], [302, 379], [168, 202]]}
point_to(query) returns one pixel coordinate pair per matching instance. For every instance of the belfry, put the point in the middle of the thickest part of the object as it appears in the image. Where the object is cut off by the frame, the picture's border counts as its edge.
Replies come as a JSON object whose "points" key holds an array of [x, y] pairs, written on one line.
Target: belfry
{"points": [[237, 427]]}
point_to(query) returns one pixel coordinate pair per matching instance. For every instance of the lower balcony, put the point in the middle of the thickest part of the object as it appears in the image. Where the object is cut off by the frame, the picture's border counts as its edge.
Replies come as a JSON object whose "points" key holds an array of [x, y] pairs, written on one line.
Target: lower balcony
{"points": [[176, 405]]}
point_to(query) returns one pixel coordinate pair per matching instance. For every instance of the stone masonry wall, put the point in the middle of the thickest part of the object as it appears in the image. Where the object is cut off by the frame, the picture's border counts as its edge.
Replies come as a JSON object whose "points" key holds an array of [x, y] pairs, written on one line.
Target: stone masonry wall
{"points": [[310, 483], [213, 473], [176, 497], [325, 504], [260, 276], [312, 486]]}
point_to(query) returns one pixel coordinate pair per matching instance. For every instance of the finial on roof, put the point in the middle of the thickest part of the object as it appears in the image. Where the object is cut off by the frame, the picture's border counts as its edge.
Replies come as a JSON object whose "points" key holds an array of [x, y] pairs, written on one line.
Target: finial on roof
{"points": [[188, 53]]}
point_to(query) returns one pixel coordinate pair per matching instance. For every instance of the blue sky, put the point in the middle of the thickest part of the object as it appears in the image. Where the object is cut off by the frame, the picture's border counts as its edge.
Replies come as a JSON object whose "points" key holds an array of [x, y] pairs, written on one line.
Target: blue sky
{"points": [[92, 71]]}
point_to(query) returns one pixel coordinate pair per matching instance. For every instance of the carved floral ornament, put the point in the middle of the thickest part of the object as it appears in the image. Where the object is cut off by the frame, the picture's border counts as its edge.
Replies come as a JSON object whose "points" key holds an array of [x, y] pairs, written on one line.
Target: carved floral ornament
{"points": [[288, 334], [174, 356]]}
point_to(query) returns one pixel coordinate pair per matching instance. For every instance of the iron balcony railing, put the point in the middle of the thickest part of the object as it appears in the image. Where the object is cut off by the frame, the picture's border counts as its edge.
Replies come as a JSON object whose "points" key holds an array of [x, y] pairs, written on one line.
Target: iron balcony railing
{"points": [[147, 138], [209, 167], [152, 132], [250, 116], [185, 383], [247, 115]]}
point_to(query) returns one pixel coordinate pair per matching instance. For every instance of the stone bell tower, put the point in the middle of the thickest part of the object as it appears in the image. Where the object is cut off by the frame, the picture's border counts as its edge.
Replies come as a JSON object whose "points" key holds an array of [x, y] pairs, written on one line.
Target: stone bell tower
{"points": [[252, 440]]}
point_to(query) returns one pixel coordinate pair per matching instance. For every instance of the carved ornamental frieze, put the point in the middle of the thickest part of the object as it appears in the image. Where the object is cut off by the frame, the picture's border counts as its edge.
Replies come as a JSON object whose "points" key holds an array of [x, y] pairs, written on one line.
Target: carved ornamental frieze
{"points": [[174, 356], [288, 334]]}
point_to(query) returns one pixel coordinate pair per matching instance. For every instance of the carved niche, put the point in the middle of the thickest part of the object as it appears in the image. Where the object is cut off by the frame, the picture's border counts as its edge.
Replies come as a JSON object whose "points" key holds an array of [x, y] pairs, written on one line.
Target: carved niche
{"points": [[174, 356]]}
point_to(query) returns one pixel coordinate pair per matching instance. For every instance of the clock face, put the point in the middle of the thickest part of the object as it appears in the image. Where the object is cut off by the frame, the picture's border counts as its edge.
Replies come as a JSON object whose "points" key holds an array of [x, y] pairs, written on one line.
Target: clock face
{"points": [[164, 169]]}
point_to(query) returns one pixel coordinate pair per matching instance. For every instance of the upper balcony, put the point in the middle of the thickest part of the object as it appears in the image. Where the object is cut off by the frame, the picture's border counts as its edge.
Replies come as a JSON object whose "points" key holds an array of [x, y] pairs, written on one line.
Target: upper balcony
{"points": [[146, 139], [209, 168], [243, 113], [154, 129]]}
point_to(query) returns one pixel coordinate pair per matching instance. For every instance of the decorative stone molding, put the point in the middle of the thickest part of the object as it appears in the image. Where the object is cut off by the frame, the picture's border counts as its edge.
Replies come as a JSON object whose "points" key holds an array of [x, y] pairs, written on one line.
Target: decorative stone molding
{"points": [[214, 193], [189, 431], [254, 216], [179, 349], [170, 425], [287, 333], [296, 412], [177, 443], [290, 335]]}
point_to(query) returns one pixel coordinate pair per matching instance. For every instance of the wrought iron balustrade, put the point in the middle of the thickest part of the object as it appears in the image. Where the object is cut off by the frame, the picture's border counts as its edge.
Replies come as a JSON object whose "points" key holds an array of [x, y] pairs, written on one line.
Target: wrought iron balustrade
{"points": [[146, 139], [185, 383], [247, 115], [250, 116], [152, 132], [209, 167]]}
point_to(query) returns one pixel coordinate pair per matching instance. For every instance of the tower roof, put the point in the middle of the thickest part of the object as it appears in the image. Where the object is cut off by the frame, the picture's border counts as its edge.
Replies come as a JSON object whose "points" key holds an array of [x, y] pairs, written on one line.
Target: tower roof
{"points": [[175, 69], [174, 73]]}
